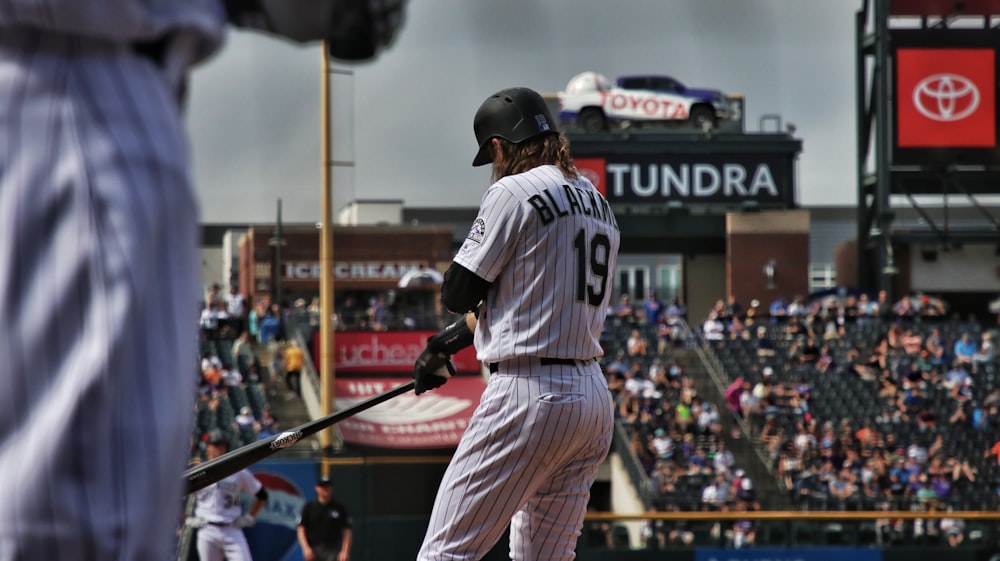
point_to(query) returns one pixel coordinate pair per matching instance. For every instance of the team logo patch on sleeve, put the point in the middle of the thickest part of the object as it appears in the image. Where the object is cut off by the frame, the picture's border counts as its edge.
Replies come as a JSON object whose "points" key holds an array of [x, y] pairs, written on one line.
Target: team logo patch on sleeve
{"points": [[478, 231]]}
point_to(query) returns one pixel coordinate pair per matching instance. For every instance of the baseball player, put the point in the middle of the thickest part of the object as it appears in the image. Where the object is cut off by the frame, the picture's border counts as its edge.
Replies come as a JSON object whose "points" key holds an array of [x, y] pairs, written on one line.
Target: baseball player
{"points": [[537, 269], [99, 259], [218, 512]]}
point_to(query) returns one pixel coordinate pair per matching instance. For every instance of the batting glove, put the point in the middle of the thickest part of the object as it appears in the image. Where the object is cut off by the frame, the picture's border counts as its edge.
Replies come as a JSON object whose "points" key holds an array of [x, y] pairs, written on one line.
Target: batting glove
{"points": [[195, 522], [431, 371], [244, 521]]}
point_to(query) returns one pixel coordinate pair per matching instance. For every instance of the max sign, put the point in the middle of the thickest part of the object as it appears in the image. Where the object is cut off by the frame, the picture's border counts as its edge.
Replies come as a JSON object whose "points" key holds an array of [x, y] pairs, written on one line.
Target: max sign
{"points": [[683, 178]]}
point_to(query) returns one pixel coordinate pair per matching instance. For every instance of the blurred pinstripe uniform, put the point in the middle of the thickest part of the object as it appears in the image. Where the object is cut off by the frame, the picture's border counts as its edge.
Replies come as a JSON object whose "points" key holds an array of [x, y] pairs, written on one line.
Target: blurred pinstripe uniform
{"points": [[549, 246], [98, 274]]}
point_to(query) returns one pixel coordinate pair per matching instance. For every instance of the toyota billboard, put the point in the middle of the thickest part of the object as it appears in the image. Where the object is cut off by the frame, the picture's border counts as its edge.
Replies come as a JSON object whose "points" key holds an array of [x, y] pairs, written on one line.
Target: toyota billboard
{"points": [[945, 97]]}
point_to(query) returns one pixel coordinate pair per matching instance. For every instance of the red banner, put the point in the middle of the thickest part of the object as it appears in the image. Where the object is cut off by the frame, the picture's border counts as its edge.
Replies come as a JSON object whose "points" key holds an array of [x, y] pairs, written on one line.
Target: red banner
{"points": [[435, 419], [594, 170], [386, 352], [945, 98]]}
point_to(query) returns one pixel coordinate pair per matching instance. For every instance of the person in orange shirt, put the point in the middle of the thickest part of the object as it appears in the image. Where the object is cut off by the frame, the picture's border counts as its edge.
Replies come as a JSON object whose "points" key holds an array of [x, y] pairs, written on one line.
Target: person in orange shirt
{"points": [[293, 367], [994, 451]]}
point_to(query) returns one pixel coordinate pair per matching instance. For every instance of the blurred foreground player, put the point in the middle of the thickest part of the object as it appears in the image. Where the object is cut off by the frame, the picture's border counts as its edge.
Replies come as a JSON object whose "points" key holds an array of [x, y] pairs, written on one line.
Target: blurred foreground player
{"points": [[536, 267], [99, 266]]}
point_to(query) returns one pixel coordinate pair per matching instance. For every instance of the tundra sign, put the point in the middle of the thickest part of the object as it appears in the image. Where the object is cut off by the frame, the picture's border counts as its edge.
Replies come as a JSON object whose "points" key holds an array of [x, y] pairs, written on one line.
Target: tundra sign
{"points": [[693, 178]]}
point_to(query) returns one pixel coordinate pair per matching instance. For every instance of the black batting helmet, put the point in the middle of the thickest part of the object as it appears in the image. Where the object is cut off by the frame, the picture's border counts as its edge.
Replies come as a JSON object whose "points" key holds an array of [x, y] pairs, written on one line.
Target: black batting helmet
{"points": [[513, 114]]}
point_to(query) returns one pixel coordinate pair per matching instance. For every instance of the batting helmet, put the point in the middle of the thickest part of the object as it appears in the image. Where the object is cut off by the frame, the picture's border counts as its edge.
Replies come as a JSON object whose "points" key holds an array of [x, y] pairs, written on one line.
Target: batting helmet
{"points": [[513, 114]]}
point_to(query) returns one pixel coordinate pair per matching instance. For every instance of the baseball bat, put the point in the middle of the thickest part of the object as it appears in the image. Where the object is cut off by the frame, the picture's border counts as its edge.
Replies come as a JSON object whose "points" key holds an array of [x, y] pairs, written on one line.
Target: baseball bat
{"points": [[212, 471]]}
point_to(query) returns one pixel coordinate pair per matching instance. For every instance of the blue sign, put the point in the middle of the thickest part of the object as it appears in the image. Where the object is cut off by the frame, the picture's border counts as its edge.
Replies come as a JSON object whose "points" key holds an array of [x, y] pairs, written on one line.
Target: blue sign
{"points": [[788, 554]]}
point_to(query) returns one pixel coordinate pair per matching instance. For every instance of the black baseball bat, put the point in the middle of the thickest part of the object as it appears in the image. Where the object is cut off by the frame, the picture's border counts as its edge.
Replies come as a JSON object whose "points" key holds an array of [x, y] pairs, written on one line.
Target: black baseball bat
{"points": [[212, 471]]}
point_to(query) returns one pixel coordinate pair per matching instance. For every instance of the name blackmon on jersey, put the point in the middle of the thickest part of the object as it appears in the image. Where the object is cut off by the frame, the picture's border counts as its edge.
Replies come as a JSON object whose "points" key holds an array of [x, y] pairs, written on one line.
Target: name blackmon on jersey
{"points": [[577, 199]]}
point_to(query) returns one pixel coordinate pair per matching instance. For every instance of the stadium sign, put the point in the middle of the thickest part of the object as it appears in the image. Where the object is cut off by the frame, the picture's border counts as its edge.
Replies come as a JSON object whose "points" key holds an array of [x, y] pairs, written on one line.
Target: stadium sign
{"points": [[766, 179]]}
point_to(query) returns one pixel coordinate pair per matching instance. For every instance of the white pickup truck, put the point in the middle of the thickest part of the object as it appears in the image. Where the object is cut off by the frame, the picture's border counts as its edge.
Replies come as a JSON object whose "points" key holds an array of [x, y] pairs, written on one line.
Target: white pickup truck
{"points": [[594, 103]]}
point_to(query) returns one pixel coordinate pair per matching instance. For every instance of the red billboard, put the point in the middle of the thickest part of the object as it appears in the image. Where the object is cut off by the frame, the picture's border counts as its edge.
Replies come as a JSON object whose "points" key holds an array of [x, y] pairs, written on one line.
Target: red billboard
{"points": [[435, 419], [386, 352], [945, 98]]}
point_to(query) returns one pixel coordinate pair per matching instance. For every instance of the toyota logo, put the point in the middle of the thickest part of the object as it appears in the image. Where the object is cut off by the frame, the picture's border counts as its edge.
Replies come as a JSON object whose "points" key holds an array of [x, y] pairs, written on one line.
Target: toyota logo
{"points": [[946, 97]]}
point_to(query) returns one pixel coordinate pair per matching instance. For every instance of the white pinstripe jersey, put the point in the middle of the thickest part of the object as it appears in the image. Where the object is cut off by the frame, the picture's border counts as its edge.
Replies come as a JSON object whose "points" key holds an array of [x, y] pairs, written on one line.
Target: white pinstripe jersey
{"points": [[123, 21], [221, 502], [549, 245], [98, 268]]}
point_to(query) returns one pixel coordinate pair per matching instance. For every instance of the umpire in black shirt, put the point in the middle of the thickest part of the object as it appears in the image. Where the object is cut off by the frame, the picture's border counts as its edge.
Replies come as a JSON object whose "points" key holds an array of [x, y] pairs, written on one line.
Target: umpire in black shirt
{"points": [[324, 526]]}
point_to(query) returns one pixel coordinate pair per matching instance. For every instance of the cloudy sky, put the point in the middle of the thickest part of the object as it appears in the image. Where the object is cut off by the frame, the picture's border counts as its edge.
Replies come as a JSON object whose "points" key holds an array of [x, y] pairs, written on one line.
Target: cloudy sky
{"points": [[405, 120]]}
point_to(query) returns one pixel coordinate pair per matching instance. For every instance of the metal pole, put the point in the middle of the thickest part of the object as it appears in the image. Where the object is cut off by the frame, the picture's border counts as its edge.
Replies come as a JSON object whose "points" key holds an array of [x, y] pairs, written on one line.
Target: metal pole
{"points": [[278, 242], [326, 300]]}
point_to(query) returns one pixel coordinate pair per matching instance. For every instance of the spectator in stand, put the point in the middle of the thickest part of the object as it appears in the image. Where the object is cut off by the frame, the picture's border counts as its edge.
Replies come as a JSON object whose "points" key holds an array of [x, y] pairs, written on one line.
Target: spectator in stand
{"points": [[378, 314], [624, 309], [243, 353], [721, 311], [750, 406], [867, 310], [636, 345], [663, 445], [778, 310], [716, 493], [798, 308], [962, 392], [213, 296], [842, 488], [965, 349], [245, 419], [713, 329], [211, 316], [675, 311], [675, 374], [617, 364], [736, 327], [708, 419], [765, 347], [236, 306], [350, 314], [652, 308], [883, 306], [723, 460], [904, 309], [268, 423], [732, 395], [294, 361], [270, 325], [733, 308], [986, 352], [664, 336]]}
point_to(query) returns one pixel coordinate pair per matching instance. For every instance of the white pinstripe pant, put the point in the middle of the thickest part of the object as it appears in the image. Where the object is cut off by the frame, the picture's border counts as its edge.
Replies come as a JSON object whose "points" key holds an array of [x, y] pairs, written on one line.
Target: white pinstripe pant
{"points": [[98, 289], [528, 458], [222, 543]]}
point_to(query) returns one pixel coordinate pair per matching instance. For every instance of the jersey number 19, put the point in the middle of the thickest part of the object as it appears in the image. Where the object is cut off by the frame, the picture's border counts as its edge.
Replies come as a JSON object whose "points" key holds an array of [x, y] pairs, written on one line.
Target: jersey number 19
{"points": [[591, 260]]}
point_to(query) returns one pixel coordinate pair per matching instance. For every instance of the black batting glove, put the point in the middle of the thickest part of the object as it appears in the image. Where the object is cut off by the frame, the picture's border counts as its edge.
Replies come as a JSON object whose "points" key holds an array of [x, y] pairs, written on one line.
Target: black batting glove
{"points": [[431, 370]]}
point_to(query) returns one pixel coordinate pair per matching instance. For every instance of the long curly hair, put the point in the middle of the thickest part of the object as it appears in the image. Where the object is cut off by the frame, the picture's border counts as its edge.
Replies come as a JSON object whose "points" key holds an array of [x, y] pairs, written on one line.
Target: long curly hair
{"points": [[512, 159]]}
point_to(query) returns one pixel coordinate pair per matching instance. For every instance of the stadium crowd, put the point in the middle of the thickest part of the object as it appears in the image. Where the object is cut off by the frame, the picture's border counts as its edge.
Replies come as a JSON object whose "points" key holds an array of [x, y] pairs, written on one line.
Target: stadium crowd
{"points": [[862, 404]]}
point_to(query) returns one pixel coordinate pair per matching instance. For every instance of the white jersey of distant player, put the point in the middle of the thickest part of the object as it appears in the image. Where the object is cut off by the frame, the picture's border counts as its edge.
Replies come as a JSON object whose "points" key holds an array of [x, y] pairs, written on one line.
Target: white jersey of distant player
{"points": [[534, 222], [221, 502]]}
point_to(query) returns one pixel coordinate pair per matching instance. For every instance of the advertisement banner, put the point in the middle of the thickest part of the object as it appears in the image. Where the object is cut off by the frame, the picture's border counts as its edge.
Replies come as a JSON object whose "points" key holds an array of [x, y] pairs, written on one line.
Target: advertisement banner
{"points": [[788, 554], [289, 485], [694, 179], [945, 98], [435, 419], [387, 352]]}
